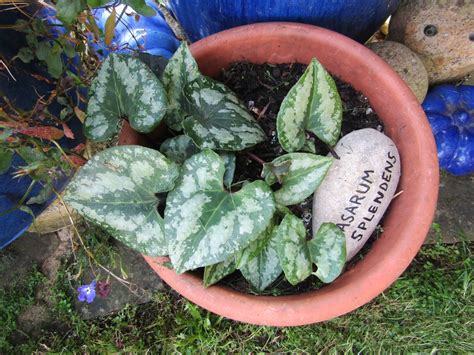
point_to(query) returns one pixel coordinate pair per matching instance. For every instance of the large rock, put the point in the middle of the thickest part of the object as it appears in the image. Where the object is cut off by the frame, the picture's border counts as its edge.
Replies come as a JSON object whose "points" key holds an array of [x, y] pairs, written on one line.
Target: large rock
{"points": [[440, 32], [406, 63], [358, 187]]}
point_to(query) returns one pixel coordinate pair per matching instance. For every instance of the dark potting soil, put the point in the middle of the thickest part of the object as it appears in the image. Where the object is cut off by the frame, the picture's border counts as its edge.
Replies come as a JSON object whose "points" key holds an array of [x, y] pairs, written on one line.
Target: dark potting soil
{"points": [[262, 88]]}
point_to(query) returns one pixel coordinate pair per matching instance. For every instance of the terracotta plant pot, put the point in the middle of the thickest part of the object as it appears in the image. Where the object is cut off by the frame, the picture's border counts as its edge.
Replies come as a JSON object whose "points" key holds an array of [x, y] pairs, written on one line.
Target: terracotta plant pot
{"points": [[409, 217]]}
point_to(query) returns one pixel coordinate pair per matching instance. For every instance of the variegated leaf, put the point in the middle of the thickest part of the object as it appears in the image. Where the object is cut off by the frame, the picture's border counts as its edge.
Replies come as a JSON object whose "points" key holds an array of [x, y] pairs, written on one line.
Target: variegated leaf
{"points": [[124, 87], [180, 70], [218, 120], [292, 249], [204, 224], [312, 104], [265, 268], [276, 170], [309, 147], [229, 163], [179, 148], [116, 190], [215, 273], [244, 256], [328, 251], [305, 174]]}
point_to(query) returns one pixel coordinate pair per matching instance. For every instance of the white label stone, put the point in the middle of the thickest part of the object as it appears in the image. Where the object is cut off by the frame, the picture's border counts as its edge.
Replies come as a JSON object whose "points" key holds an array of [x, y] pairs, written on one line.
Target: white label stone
{"points": [[358, 187]]}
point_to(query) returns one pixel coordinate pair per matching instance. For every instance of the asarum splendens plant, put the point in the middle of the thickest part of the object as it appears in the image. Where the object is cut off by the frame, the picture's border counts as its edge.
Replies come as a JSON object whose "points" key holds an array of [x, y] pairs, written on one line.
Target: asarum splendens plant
{"points": [[207, 223]]}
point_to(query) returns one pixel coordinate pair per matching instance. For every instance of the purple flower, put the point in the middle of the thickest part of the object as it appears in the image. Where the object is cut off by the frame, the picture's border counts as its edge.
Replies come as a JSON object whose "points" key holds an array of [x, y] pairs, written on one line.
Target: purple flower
{"points": [[86, 292], [103, 289]]}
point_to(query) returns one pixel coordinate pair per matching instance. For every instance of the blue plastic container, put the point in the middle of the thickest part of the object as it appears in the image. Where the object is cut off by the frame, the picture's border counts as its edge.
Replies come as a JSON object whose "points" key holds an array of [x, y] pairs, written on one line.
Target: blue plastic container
{"points": [[353, 18], [149, 34], [450, 111]]}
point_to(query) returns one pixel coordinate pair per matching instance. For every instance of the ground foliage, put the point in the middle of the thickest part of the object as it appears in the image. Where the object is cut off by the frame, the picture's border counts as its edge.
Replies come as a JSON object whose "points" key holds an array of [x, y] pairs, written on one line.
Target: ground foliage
{"points": [[428, 309]]}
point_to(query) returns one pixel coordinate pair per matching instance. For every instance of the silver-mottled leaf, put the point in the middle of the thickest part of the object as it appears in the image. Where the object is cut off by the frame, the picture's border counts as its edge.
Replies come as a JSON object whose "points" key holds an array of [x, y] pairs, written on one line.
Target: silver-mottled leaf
{"points": [[215, 273], [244, 256], [181, 70], [179, 148], [204, 224], [292, 249], [325, 111], [328, 251], [124, 87], [116, 190], [218, 120], [229, 163], [309, 147], [276, 170], [312, 104], [265, 268], [305, 174]]}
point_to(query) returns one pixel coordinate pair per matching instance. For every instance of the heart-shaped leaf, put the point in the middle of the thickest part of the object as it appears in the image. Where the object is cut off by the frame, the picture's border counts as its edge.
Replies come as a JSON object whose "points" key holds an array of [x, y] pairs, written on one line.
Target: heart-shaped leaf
{"points": [[265, 268], [229, 163], [180, 70], [328, 251], [116, 190], [179, 148], [292, 249], [218, 119], [302, 178], [204, 224], [244, 256], [124, 87], [215, 273], [312, 104]]}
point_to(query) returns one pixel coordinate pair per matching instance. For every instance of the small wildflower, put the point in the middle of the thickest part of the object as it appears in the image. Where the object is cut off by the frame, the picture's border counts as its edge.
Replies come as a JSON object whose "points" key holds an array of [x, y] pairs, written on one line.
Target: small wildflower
{"points": [[86, 292], [103, 289]]}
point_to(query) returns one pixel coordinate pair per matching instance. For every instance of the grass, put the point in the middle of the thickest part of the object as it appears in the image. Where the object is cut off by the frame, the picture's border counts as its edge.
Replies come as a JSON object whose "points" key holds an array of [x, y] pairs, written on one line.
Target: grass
{"points": [[14, 299], [429, 309]]}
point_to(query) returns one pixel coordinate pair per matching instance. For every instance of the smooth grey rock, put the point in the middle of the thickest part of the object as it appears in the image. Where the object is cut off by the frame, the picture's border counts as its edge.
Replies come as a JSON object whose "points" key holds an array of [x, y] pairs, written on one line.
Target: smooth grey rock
{"points": [[145, 282], [359, 186]]}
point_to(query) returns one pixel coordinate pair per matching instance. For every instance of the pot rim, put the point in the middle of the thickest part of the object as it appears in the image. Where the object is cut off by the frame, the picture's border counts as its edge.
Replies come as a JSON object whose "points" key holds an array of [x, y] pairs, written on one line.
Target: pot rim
{"points": [[406, 222]]}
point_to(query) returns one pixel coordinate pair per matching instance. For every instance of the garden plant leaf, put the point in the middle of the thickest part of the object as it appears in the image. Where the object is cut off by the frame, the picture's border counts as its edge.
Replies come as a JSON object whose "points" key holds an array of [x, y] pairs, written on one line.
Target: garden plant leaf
{"points": [[140, 7], [116, 190], [180, 70], [6, 157], [312, 104], [179, 148], [243, 256], [265, 267], [328, 252], [67, 10], [300, 180], [124, 87], [204, 224], [218, 120], [292, 249], [215, 273]]}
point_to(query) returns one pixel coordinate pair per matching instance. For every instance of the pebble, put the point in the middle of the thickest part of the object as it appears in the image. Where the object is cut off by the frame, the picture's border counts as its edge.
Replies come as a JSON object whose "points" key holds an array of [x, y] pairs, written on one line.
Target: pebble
{"points": [[358, 187], [406, 63], [440, 32]]}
